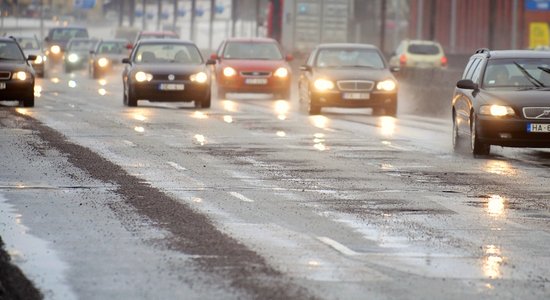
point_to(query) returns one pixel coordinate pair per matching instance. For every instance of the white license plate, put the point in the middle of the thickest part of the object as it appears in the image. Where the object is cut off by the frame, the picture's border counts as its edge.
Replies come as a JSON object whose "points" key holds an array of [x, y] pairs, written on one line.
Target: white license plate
{"points": [[171, 86], [2, 85], [255, 81], [538, 127], [356, 96]]}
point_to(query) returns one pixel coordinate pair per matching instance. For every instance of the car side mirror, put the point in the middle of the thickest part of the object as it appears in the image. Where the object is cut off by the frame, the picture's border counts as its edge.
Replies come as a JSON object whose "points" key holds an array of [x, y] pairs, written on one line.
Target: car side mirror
{"points": [[395, 69], [305, 68], [31, 57], [289, 57], [214, 56], [211, 62], [467, 84], [125, 60]]}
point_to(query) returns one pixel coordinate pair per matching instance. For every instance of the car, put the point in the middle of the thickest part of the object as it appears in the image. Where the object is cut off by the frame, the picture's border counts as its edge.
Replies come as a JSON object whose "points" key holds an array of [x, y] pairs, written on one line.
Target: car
{"points": [[31, 46], [106, 55], [166, 70], [57, 39], [16, 73], [77, 54], [419, 54], [143, 34], [252, 65], [349, 76], [502, 99]]}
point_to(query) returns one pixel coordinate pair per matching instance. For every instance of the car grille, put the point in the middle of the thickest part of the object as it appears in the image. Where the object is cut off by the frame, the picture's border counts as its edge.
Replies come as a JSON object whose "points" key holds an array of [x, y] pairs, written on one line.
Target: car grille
{"points": [[256, 74], [5, 75], [165, 77], [536, 113], [355, 85]]}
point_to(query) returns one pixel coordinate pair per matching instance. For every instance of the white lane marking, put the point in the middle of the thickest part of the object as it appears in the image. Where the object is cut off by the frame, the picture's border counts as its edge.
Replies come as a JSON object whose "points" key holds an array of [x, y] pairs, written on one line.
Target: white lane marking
{"points": [[240, 196], [69, 115], [129, 143], [337, 246], [176, 166]]}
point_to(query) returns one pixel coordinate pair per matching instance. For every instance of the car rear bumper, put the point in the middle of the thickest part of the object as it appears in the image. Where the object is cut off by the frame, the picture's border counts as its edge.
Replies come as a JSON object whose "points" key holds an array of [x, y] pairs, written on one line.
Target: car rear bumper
{"points": [[151, 91], [336, 99], [511, 132]]}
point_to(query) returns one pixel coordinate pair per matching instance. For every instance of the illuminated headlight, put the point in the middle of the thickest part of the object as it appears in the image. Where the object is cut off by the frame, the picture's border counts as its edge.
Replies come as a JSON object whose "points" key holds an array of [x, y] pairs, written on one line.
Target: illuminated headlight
{"points": [[142, 76], [200, 77], [229, 72], [20, 75], [73, 57], [323, 84], [55, 49], [386, 85], [496, 110], [102, 62], [39, 59], [281, 73]]}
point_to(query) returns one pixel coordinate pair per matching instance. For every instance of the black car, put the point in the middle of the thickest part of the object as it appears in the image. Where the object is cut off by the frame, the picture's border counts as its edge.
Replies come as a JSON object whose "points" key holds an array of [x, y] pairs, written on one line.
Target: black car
{"points": [[503, 99], [57, 39], [77, 54], [166, 70], [16, 74], [106, 55], [348, 75], [31, 46]]}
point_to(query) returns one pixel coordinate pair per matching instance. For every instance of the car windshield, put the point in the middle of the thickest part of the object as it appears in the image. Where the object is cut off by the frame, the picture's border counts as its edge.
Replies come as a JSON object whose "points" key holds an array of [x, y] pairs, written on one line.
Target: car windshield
{"points": [[517, 73], [343, 58], [28, 43], [81, 45], [10, 51], [251, 50], [65, 34], [423, 49], [112, 48], [168, 54]]}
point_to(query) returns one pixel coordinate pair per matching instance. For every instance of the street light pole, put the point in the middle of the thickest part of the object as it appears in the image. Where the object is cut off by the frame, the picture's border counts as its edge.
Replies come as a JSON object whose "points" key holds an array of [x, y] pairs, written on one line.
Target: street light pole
{"points": [[419, 19], [144, 16], [193, 15], [211, 28], [175, 15]]}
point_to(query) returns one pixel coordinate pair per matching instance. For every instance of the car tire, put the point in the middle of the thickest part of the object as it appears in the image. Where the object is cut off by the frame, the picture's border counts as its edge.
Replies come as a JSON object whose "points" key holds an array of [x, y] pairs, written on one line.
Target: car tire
{"points": [[221, 94], [314, 107], [206, 101], [131, 99], [478, 148], [28, 101], [391, 109], [456, 138]]}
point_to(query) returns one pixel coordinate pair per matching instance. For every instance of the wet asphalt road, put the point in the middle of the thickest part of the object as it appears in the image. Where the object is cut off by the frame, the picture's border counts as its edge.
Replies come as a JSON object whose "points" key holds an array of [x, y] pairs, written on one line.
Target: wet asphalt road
{"points": [[253, 198]]}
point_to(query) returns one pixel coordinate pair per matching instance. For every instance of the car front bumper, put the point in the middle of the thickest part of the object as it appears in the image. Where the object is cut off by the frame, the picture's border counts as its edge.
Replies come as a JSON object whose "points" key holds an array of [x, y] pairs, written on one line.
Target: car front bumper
{"points": [[511, 132], [16, 90], [242, 84], [336, 99], [152, 91]]}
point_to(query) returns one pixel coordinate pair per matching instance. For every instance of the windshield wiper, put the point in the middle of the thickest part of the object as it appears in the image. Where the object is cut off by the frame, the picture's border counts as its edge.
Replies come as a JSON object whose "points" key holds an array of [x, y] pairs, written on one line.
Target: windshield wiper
{"points": [[14, 59], [545, 69], [530, 77]]}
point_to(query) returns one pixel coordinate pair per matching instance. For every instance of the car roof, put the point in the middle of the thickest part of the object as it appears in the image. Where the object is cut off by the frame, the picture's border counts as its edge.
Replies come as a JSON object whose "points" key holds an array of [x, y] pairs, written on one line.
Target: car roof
{"points": [[347, 45], [496, 54], [165, 41], [4, 39], [425, 42], [158, 32], [69, 27], [251, 40], [113, 41]]}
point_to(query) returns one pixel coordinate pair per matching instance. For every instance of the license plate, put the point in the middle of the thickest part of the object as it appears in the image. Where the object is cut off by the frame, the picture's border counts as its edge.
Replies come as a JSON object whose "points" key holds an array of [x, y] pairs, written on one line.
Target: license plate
{"points": [[2, 85], [538, 127], [255, 81], [171, 87], [356, 96]]}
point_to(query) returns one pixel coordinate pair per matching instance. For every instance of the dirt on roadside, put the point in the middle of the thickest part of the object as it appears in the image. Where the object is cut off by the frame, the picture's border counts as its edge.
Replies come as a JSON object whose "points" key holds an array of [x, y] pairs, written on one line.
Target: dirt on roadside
{"points": [[13, 283]]}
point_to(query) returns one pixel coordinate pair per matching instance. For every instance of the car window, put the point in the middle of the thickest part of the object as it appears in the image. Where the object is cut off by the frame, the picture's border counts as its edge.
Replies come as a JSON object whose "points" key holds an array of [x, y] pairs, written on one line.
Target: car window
{"points": [[111, 48], [81, 45], [28, 43], [504, 73], [311, 58], [10, 51], [252, 50], [68, 33], [472, 68], [477, 71], [468, 66], [423, 49], [334, 58], [167, 53]]}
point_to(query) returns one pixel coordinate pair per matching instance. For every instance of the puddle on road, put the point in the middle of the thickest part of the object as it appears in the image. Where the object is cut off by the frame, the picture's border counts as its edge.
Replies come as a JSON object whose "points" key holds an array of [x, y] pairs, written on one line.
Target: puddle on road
{"points": [[32, 255]]}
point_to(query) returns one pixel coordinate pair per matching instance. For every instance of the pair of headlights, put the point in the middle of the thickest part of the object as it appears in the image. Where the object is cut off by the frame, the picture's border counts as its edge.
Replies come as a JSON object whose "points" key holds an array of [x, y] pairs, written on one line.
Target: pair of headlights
{"points": [[280, 72], [200, 77], [325, 85]]}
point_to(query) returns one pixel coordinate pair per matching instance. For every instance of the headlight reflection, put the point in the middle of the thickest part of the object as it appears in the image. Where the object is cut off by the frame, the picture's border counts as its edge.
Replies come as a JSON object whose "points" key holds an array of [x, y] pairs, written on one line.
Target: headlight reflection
{"points": [[492, 262], [387, 126]]}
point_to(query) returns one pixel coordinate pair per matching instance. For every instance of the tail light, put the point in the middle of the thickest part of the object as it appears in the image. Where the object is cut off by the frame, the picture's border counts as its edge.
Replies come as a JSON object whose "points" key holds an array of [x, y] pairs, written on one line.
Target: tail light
{"points": [[403, 59], [443, 61]]}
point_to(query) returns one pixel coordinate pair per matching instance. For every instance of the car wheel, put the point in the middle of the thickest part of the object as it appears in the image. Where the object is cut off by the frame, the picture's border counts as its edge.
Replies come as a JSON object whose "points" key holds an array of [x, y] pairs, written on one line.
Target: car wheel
{"points": [[391, 109], [131, 99], [221, 94], [478, 148], [314, 107], [28, 101], [205, 103]]}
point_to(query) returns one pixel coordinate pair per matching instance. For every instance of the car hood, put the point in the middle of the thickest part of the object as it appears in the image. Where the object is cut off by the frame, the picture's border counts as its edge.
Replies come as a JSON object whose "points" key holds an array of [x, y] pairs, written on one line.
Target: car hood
{"points": [[517, 98], [33, 52], [254, 65], [13, 66], [336, 74], [169, 68]]}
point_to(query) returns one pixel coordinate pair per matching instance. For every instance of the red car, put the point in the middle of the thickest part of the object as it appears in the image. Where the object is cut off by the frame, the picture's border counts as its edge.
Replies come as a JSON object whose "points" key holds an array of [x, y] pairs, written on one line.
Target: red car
{"points": [[252, 65]]}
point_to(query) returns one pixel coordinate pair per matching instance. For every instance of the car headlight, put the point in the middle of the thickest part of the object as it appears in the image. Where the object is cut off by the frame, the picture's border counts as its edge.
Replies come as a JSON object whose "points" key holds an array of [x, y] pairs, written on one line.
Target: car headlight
{"points": [[55, 49], [21, 75], [102, 62], [386, 85], [73, 57], [200, 77], [142, 76], [323, 84], [38, 59], [281, 73], [496, 110], [229, 72]]}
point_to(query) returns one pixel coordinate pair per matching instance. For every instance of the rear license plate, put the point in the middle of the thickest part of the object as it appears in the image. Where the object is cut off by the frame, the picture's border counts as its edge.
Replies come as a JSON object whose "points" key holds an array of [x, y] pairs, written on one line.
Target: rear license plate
{"points": [[2, 85], [171, 87], [356, 96], [538, 127], [255, 81]]}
